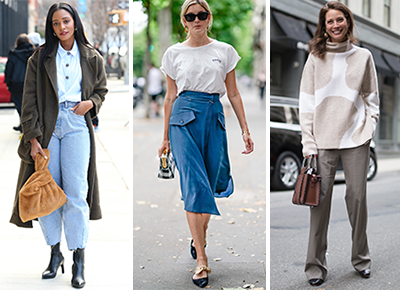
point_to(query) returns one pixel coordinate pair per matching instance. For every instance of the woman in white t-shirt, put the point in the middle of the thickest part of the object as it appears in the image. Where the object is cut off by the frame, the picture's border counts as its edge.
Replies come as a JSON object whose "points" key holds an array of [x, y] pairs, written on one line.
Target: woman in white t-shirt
{"points": [[199, 71]]}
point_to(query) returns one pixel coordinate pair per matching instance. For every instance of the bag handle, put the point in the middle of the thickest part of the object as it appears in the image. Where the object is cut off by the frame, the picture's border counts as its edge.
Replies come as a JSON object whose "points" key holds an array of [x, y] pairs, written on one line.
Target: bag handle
{"points": [[310, 163]]}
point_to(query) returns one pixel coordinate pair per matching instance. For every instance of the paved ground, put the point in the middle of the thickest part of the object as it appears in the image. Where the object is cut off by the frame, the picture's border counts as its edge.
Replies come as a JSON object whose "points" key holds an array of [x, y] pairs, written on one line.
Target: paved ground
{"points": [[289, 227], [23, 252], [236, 239]]}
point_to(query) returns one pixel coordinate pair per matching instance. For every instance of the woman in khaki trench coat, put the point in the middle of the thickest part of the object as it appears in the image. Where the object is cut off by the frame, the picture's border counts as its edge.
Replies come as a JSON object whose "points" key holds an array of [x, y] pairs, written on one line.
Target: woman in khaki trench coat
{"points": [[42, 109]]}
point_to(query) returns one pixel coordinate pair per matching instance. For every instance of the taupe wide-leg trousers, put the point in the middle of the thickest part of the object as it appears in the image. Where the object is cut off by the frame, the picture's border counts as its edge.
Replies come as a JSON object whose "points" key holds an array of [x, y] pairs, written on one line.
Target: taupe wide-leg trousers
{"points": [[355, 165]]}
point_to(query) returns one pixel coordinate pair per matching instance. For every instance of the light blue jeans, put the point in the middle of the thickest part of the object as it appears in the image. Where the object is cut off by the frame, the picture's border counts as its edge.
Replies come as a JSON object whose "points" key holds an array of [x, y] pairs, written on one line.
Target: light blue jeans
{"points": [[69, 160]]}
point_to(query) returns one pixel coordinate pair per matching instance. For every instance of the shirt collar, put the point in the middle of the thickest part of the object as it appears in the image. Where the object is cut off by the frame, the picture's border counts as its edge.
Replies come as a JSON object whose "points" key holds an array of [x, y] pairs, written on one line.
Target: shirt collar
{"points": [[62, 52]]}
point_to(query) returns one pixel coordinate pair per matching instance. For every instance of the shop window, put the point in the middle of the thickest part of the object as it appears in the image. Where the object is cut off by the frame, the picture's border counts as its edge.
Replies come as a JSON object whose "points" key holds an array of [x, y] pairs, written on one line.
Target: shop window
{"points": [[386, 108]]}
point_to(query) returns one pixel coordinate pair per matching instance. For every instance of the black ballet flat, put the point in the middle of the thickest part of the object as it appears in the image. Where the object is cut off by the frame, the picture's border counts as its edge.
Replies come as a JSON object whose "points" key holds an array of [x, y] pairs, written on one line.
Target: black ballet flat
{"points": [[315, 282], [193, 250], [365, 273], [202, 282]]}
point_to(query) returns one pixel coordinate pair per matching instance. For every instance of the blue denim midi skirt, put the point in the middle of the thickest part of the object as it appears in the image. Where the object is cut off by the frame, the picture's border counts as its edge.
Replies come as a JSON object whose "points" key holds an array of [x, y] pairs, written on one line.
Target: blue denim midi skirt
{"points": [[199, 145]]}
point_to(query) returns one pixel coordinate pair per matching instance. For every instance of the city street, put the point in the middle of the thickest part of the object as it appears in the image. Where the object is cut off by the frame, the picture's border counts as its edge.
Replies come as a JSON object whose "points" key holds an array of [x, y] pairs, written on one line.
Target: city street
{"points": [[24, 254], [236, 240], [289, 225]]}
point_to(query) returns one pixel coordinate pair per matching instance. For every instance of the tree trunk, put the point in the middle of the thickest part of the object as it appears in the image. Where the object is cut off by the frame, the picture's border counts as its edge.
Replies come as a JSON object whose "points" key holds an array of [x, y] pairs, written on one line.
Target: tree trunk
{"points": [[146, 62], [164, 20]]}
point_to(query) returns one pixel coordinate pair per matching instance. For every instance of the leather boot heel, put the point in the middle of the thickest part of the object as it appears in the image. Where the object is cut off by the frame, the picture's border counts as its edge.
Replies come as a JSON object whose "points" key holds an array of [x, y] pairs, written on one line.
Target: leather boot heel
{"points": [[78, 280], [56, 260]]}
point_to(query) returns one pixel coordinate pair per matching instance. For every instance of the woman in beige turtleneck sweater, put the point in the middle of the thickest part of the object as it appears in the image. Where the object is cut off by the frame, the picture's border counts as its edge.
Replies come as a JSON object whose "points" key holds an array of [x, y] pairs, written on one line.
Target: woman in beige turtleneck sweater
{"points": [[339, 109]]}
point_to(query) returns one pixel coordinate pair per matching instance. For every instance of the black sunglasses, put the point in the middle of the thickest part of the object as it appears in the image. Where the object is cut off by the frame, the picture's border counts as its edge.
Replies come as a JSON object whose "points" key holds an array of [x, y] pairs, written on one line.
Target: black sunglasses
{"points": [[201, 15]]}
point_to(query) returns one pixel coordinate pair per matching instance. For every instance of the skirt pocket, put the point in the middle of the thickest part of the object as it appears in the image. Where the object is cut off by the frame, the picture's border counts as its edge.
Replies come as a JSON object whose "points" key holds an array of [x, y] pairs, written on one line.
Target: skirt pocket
{"points": [[182, 119], [221, 120]]}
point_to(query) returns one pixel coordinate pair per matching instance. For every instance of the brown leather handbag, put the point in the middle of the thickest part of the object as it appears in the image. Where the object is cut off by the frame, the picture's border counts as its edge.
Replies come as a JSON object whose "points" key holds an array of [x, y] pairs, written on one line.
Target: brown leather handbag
{"points": [[40, 194], [308, 184]]}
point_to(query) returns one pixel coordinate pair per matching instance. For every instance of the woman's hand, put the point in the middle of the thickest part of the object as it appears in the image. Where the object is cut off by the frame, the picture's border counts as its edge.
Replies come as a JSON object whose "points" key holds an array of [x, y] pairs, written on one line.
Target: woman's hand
{"points": [[164, 146], [248, 144], [82, 108], [36, 148], [315, 155]]}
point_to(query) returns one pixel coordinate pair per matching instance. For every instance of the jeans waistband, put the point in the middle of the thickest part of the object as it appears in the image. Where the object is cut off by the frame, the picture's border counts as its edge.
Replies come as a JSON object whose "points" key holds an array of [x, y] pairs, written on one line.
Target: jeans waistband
{"points": [[200, 95], [67, 104]]}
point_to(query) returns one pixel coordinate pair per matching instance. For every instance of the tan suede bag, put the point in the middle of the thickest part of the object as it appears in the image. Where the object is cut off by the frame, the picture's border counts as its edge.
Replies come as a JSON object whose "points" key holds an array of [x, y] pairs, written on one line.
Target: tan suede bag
{"points": [[40, 194]]}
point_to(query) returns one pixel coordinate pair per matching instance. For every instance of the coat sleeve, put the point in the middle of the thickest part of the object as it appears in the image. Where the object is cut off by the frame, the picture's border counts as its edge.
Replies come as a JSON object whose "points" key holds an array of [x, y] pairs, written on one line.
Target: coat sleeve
{"points": [[100, 87], [30, 115], [307, 107]]}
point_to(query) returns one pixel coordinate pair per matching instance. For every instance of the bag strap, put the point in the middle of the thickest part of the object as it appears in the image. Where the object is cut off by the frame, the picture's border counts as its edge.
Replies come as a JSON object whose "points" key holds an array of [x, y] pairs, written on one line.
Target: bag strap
{"points": [[312, 162]]}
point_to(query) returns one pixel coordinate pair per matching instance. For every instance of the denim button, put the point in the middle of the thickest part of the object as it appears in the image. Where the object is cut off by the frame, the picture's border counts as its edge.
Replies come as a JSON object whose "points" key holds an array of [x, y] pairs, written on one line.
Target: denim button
{"points": [[181, 121]]}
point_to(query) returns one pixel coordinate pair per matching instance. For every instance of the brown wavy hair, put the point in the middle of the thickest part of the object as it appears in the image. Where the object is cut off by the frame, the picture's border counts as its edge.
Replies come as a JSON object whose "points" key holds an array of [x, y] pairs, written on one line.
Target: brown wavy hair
{"points": [[318, 43]]}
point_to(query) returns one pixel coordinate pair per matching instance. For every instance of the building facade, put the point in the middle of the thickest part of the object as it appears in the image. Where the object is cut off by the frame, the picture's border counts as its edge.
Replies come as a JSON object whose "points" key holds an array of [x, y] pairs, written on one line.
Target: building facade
{"points": [[292, 25], [13, 21]]}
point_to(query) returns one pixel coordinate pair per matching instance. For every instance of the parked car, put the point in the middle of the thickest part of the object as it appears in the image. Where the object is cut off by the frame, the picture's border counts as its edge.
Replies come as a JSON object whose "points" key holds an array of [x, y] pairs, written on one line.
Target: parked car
{"points": [[5, 96], [286, 148]]}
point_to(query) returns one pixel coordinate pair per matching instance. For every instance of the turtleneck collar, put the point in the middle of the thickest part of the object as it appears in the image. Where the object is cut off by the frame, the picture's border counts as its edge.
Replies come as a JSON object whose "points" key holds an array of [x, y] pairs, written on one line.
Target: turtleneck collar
{"points": [[338, 46]]}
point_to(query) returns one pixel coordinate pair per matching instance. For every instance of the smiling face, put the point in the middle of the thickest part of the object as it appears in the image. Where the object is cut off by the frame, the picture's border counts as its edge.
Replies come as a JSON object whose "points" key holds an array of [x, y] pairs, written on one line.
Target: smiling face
{"points": [[197, 26], [336, 25], [63, 26]]}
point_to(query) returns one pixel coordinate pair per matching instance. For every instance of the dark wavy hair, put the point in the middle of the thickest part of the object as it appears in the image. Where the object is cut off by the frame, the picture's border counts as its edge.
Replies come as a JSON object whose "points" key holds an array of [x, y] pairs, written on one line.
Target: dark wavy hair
{"points": [[318, 43], [51, 41]]}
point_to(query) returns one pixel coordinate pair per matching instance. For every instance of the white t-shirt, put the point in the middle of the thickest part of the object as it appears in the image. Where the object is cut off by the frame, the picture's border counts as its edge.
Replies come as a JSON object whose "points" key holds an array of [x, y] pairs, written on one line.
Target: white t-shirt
{"points": [[200, 69]]}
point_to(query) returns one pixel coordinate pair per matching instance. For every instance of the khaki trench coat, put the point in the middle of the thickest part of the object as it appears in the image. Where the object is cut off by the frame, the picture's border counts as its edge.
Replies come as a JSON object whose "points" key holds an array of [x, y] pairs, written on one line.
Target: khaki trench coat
{"points": [[39, 115]]}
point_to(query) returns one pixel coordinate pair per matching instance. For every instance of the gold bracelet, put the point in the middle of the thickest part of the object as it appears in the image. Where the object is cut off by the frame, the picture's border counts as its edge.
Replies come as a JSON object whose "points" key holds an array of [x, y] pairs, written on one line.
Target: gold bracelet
{"points": [[245, 132]]}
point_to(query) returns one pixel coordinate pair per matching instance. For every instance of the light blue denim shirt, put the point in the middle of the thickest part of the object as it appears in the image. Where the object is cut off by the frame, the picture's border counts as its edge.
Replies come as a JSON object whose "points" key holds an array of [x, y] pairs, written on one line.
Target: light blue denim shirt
{"points": [[69, 74]]}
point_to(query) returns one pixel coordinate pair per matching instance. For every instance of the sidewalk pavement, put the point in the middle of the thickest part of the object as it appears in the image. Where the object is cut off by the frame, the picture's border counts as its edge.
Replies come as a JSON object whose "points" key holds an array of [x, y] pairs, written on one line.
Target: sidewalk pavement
{"points": [[387, 163], [236, 240], [24, 253]]}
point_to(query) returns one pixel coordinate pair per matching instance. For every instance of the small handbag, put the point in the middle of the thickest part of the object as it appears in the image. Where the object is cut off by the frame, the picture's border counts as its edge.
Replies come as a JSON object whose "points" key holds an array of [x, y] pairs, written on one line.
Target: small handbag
{"points": [[308, 184], [40, 195], [167, 166]]}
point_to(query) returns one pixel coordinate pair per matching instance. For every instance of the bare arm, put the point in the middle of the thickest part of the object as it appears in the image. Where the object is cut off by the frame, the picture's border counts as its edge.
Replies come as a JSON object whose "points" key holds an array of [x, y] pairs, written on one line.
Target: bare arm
{"points": [[236, 101], [170, 98]]}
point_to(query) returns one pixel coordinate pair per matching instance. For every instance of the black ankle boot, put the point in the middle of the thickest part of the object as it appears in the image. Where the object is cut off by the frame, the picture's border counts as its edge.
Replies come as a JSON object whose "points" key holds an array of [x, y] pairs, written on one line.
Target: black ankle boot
{"points": [[78, 281], [56, 260], [18, 128]]}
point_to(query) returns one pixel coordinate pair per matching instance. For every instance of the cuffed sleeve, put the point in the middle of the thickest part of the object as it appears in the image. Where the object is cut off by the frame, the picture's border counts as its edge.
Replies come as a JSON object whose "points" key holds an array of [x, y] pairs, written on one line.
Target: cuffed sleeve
{"points": [[167, 65], [232, 59]]}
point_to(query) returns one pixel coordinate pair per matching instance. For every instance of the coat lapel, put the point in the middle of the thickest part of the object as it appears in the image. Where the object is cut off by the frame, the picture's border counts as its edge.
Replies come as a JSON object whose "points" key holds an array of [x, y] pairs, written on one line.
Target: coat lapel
{"points": [[51, 68], [87, 70]]}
